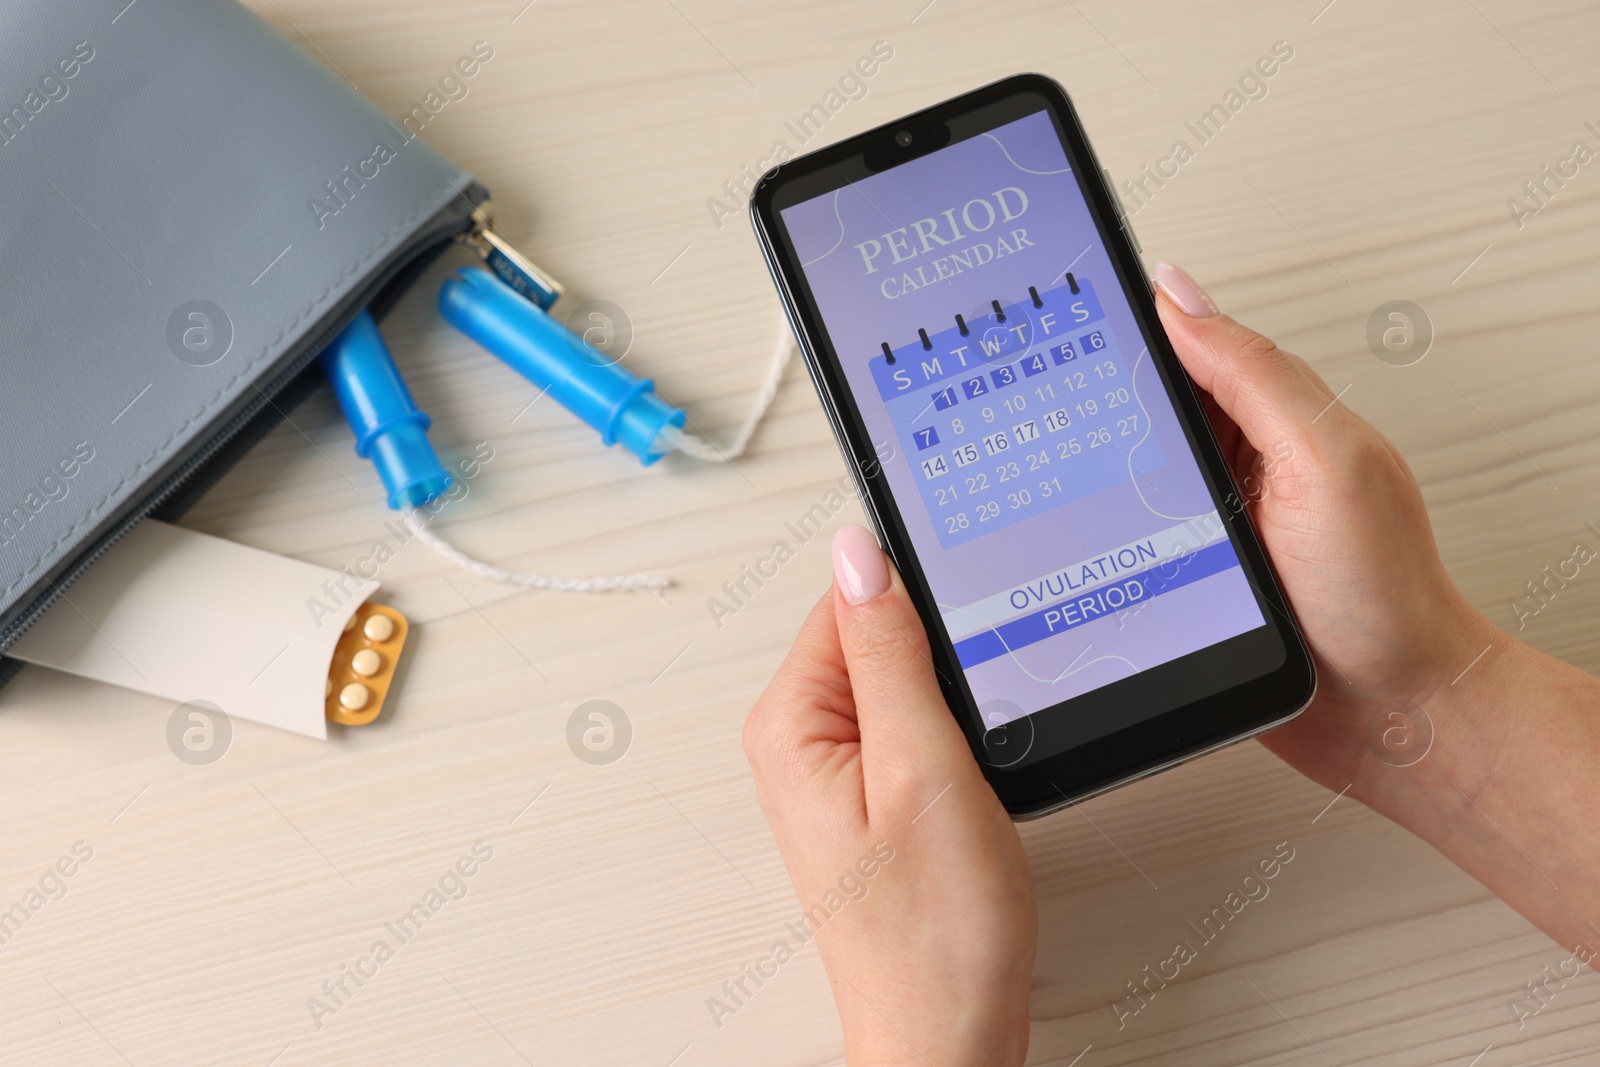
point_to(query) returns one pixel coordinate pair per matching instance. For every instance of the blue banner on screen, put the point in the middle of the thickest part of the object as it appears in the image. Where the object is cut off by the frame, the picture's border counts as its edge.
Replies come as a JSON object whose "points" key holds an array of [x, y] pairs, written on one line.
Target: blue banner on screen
{"points": [[1119, 600]]}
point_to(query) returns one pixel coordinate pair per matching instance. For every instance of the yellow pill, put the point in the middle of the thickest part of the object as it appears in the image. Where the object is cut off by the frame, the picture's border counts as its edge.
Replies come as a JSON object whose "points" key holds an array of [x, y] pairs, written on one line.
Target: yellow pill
{"points": [[328, 689], [354, 696], [378, 628], [366, 663], [350, 624]]}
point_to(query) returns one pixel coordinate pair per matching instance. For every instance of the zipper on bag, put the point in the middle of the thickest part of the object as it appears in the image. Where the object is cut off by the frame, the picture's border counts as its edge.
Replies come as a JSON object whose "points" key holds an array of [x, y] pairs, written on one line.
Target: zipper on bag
{"points": [[512, 267]]}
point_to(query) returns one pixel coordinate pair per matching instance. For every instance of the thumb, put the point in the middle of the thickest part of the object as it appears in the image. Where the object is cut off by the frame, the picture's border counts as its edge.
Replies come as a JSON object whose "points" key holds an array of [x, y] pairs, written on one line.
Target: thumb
{"points": [[911, 746], [1269, 394]]}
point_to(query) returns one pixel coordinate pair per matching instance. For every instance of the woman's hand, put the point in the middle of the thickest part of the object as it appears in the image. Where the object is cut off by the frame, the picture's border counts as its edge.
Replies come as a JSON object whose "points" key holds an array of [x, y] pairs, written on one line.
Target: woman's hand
{"points": [[1424, 710], [1342, 517], [911, 873]]}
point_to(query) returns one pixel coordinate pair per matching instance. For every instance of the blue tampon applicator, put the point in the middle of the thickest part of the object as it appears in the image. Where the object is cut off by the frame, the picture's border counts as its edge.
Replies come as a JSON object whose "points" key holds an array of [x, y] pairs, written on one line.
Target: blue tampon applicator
{"points": [[623, 408], [390, 430]]}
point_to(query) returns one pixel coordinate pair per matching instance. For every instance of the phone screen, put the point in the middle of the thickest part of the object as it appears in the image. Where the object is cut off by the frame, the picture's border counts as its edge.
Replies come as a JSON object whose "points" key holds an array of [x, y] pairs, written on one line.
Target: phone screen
{"points": [[1057, 511]]}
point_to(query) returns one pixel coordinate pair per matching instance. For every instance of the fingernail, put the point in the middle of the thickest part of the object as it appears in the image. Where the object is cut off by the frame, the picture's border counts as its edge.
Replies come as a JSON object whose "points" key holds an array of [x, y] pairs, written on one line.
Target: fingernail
{"points": [[1184, 291], [859, 565]]}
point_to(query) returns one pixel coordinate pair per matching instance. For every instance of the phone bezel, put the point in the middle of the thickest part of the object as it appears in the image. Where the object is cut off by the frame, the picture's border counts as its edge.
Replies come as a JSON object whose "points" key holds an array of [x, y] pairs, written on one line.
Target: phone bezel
{"points": [[1223, 716]]}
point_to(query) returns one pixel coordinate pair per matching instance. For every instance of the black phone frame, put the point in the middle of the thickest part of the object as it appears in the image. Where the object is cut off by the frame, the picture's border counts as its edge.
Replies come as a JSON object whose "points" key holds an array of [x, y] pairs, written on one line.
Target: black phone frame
{"points": [[1233, 690]]}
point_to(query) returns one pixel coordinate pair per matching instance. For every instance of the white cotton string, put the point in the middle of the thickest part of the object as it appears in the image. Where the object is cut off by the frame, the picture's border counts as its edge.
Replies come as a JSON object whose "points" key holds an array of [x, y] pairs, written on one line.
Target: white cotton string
{"points": [[622, 583], [690, 445], [700, 448]]}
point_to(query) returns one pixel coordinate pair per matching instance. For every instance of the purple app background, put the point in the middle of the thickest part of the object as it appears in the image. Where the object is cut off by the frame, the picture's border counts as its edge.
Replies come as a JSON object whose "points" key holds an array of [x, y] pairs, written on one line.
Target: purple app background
{"points": [[861, 312]]}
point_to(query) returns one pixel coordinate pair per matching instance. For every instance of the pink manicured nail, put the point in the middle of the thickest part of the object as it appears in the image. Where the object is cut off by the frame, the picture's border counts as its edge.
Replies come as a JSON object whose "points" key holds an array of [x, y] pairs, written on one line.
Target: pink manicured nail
{"points": [[1184, 291], [859, 565]]}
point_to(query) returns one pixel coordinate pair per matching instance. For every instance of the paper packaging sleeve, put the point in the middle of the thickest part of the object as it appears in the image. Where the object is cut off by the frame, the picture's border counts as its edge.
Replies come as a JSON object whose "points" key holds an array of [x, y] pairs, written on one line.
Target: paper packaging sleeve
{"points": [[185, 616]]}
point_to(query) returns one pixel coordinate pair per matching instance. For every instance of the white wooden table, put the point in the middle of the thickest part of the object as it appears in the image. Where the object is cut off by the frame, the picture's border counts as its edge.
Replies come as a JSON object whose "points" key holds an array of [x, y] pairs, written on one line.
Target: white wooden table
{"points": [[219, 899]]}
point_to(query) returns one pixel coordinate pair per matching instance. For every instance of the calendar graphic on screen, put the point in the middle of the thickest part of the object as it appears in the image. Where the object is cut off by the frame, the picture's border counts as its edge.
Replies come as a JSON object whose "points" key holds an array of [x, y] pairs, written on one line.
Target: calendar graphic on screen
{"points": [[1013, 410]]}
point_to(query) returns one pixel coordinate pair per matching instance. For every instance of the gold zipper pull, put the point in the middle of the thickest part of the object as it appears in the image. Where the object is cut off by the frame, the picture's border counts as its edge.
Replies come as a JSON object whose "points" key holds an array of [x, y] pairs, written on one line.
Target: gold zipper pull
{"points": [[513, 268]]}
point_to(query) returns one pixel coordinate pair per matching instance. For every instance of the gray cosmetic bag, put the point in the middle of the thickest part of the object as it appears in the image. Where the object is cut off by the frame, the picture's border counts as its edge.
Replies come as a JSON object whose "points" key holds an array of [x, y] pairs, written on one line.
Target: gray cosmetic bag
{"points": [[194, 209]]}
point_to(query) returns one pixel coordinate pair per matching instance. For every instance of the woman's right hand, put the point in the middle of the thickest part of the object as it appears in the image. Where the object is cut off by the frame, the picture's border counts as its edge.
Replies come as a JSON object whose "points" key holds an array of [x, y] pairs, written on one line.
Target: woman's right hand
{"points": [[1425, 711], [1342, 517]]}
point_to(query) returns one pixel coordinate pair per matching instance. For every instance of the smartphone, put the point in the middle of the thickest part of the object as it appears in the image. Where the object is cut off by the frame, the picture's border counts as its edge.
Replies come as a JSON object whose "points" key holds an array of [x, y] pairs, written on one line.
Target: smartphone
{"points": [[975, 315]]}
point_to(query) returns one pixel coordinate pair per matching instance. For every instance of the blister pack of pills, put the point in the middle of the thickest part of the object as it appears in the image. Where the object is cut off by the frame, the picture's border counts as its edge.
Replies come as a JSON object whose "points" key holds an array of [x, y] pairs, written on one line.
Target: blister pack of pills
{"points": [[364, 663]]}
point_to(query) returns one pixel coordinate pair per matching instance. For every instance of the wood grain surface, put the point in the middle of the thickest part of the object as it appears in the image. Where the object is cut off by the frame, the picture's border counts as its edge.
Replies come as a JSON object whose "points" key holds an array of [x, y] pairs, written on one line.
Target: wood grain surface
{"points": [[219, 899]]}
